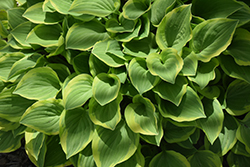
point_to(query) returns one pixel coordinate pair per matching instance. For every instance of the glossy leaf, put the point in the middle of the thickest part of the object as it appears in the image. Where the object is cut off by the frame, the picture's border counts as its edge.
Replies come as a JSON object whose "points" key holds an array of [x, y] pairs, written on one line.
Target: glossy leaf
{"points": [[83, 36], [77, 134], [62, 6], [239, 48], [169, 158], [140, 116], [174, 30], [166, 65], [98, 8], [108, 58], [213, 123], [189, 109], [206, 44], [237, 98], [45, 35], [243, 14], [140, 76], [205, 157], [159, 9], [36, 15], [172, 92], [190, 65], [108, 115], [44, 116], [77, 91], [113, 147], [105, 88], [133, 9], [47, 80]]}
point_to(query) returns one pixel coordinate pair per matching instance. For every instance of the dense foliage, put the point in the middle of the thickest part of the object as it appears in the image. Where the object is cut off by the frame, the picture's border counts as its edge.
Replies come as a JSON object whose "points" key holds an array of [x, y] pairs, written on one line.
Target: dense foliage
{"points": [[126, 83]]}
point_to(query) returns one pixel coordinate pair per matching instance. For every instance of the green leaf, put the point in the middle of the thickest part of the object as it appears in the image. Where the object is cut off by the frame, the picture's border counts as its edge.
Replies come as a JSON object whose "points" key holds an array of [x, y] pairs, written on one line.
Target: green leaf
{"points": [[23, 65], [207, 157], [96, 66], [74, 124], [62, 6], [13, 106], [47, 6], [97, 8], [47, 80], [34, 141], [15, 17], [240, 149], [166, 65], [3, 30], [168, 159], [83, 36], [190, 65], [239, 48], [205, 73], [141, 48], [237, 98], [214, 8], [213, 123], [136, 160], [133, 9], [61, 70], [121, 73], [140, 76], [121, 25], [175, 30], [44, 116], [145, 27], [140, 116], [108, 58], [7, 4], [36, 15], [77, 91], [243, 130], [6, 62], [159, 9], [237, 160], [175, 134], [45, 35], [84, 158], [9, 143], [243, 14], [81, 63], [227, 137], [105, 88], [206, 43], [172, 92], [113, 147], [155, 139], [107, 116], [189, 109], [21, 31], [128, 36], [6, 125]]}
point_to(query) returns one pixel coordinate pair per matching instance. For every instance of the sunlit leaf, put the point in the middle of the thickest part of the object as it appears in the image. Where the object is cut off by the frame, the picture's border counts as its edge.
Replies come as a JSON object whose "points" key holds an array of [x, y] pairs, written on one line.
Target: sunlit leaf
{"points": [[113, 147], [8, 142]]}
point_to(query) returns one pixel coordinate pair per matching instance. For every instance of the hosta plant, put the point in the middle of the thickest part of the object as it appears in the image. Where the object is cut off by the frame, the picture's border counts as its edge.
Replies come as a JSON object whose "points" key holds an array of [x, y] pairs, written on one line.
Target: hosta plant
{"points": [[115, 83]]}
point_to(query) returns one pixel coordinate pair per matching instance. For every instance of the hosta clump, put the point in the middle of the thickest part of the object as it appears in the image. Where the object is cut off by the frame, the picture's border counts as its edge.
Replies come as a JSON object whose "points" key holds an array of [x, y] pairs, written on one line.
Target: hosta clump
{"points": [[126, 83]]}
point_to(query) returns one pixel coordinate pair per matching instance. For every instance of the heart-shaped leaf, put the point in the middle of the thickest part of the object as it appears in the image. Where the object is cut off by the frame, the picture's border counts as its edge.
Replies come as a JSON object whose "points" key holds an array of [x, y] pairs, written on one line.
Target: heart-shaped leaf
{"points": [[105, 88], [140, 116], [140, 76], [166, 65], [107, 116]]}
